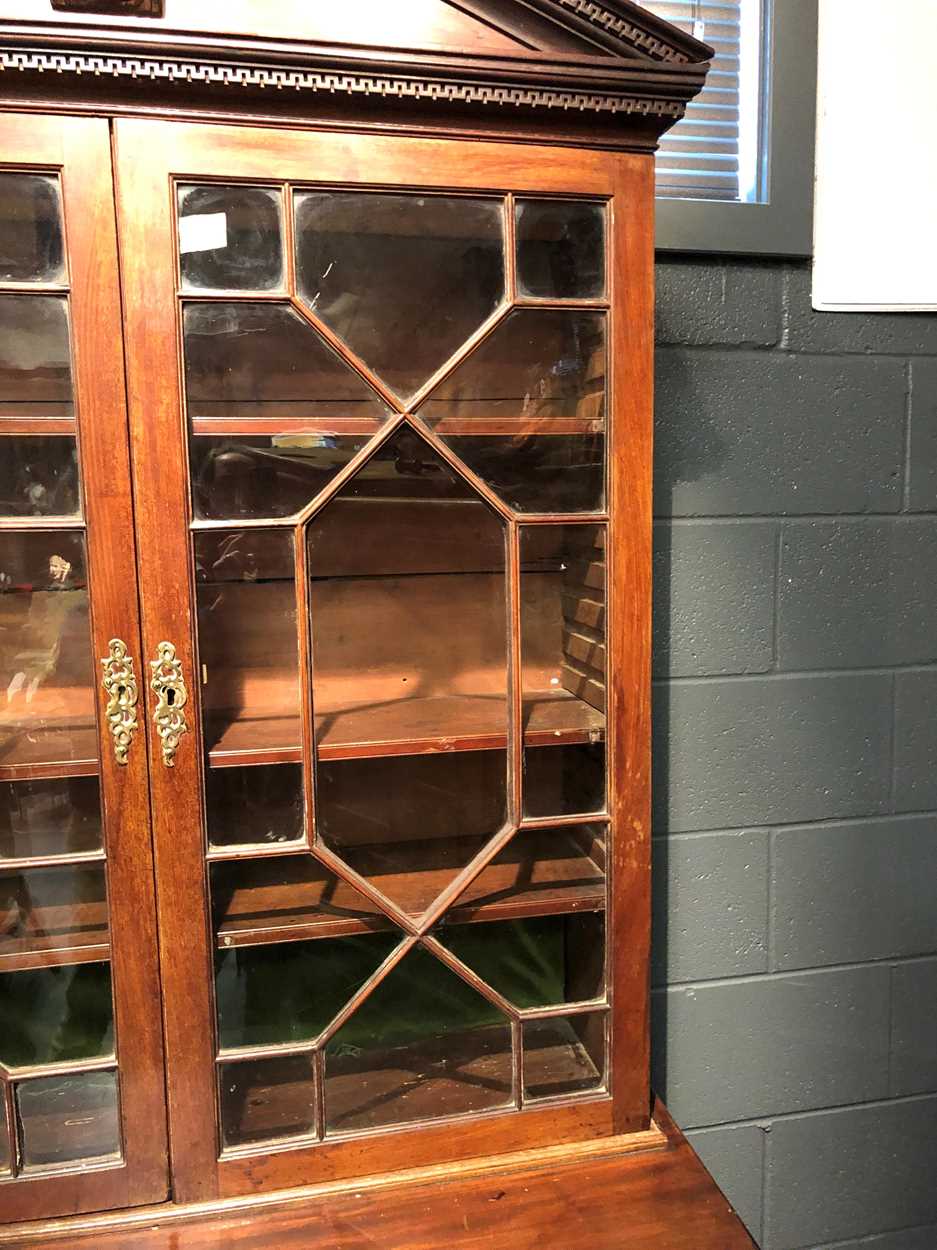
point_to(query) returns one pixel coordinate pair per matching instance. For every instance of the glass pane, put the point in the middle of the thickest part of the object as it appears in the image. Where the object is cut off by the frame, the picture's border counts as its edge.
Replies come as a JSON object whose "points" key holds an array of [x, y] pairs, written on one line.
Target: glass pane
{"points": [[540, 961], [265, 1099], [66, 1118], [560, 249], [247, 646], [263, 476], [380, 269], [539, 870], [55, 1014], [230, 238], [31, 247], [564, 1055], [60, 909], [6, 1139], [262, 369], [410, 823], [59, 816], [563, 674], [407, 603], [35, 358], [282, 899], [290, 991], [285, 898], [423, 1045], [526, 410], [38, 475], [261, 804], [564, 780], [46, 671]]}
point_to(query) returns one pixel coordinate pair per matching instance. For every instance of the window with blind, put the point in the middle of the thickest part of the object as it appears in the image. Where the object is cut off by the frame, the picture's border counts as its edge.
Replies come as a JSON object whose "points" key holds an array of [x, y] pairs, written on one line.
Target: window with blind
{"points": [[716, 152]]}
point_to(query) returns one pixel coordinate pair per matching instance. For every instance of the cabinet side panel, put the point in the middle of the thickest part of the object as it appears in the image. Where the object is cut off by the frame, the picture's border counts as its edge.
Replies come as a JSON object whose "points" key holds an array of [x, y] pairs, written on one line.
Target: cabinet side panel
{"points": [[629, 633]]}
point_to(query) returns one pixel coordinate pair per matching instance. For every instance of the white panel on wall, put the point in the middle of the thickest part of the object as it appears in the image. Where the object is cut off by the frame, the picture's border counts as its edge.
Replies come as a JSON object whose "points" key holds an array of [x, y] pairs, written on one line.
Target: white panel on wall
{"points": [[875, 225]]}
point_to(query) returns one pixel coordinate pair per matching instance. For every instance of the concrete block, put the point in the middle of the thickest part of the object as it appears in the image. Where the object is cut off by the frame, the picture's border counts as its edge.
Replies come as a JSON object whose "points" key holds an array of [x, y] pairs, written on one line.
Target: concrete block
{"points": [[915, 741], [902, 334], [764, 433], [744, 1049], [733, 1157], [914, 1028], [707, 301], [923, 449], [847, 893], [857, 593], [850, 1173], [713, 598], [757, 751], [710, 906]]}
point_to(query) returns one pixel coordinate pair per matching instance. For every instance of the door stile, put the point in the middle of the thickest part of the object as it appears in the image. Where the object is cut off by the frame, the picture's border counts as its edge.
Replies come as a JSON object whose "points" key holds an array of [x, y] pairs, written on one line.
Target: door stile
{"points": [[101, 394], [160, 477], [631, 360], [78, 150]]}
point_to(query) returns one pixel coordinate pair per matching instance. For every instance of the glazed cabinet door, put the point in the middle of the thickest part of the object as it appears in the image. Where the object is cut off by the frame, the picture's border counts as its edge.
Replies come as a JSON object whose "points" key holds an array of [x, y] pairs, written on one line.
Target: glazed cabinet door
{"points": [[82, 1116], [390, 414]]}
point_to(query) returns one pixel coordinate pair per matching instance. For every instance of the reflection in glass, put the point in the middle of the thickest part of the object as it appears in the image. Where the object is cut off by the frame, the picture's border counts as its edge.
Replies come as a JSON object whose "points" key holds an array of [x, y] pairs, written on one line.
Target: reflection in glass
{"points": [[35, 358], [285, 896], [64, 1119], [560, 249], [290, 991], [564, 665], [6, 1143], [56, 816], [409, 823], [526, 410], [52, 909], [260, 804], [266, 1099], [265, 475], [564, 780], [380, 269], [537, 961], [539, 869], [423, 1045], [264, 362], [31, 248], [229, 238], [46, 671], [407, 607], [247, 641], [57, 1013], [38, 476], [564, 1055]]}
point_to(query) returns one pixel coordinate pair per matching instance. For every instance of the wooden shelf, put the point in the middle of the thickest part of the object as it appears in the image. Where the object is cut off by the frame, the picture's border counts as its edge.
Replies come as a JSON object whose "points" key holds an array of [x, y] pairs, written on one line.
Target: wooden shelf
{"points": [[405, 727], [542, 872], [271, 426], [86, 940], [25, 953], [68, 749]]}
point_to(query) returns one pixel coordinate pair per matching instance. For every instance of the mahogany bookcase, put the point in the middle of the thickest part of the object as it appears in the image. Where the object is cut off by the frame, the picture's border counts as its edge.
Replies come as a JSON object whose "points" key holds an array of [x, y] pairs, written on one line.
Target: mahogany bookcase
{"points": [[326, 402]]}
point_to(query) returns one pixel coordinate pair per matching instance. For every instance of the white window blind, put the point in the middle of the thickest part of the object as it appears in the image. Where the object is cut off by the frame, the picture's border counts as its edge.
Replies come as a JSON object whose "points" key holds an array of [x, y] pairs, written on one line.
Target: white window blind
{"points": [[712, 154]]}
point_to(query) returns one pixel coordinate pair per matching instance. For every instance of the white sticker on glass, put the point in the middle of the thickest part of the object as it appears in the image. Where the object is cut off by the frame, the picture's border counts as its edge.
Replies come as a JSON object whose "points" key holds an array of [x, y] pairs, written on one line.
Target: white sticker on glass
{"points": [[203, 232]]}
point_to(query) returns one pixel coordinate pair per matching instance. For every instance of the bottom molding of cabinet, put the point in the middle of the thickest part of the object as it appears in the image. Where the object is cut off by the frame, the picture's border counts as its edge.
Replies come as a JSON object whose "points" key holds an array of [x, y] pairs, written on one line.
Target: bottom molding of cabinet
{"points": [[647, 1185]]}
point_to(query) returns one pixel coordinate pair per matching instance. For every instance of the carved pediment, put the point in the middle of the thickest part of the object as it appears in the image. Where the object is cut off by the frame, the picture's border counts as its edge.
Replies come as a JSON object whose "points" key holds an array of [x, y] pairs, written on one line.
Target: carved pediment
{"points": [[609, 59]]}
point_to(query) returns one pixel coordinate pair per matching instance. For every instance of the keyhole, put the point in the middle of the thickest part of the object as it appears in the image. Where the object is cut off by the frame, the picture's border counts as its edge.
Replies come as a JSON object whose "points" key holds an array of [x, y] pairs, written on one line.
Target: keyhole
{"points": [[170, 696], [121, 691]]}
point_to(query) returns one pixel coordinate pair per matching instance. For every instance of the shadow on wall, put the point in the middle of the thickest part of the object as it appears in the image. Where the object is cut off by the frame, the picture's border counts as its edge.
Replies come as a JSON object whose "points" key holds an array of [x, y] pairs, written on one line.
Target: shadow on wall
{"points": [[684, 451]]}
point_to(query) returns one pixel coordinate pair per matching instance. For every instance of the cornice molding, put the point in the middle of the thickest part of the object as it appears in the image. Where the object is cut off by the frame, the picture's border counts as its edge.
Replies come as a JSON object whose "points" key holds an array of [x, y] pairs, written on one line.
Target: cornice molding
{"points": [[614, 24], [280, 78]]}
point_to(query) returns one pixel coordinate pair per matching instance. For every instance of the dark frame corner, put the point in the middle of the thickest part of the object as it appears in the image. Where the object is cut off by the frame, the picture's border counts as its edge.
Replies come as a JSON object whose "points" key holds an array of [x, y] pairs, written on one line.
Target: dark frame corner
{"points": [[784, 225]]}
